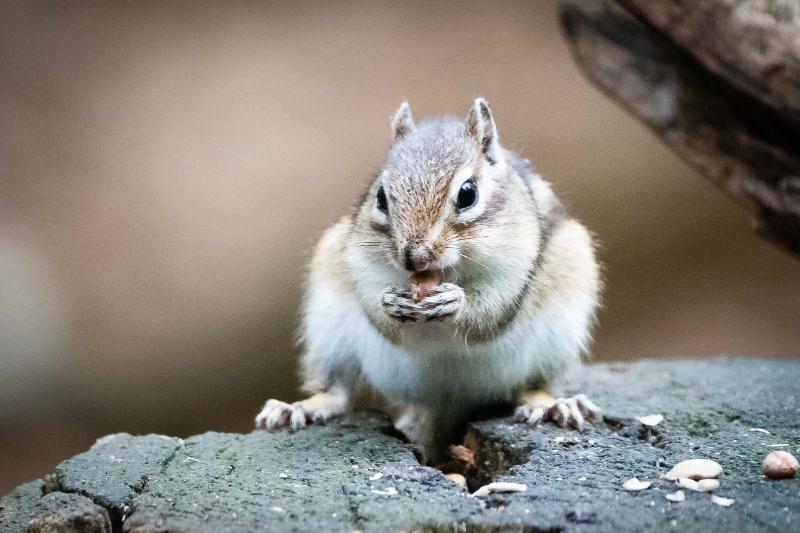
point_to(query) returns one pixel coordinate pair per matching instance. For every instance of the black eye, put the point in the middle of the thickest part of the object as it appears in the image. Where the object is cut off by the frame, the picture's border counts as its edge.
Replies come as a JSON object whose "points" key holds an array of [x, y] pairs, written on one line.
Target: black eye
{"points": [[467, 195], [382, 205]]}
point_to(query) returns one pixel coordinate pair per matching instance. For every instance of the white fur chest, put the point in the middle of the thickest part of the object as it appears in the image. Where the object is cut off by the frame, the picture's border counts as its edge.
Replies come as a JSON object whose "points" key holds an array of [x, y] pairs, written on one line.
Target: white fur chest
{"points": [[434, 368]]}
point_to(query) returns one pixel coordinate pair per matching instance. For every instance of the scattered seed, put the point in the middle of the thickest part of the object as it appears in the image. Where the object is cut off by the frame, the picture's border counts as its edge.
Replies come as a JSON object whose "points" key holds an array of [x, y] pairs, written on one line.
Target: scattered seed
{"points": [[463, 454], [375, 477], [779, 465], [759, 430], [559, 440], [457, 478], [283, 475], [423, 283], [690, 484], [707, 485], [719, 500], [650, 420], [390, 491], [677, 496], [500, 486], [277, 509], [695, 469], [634, 484]]}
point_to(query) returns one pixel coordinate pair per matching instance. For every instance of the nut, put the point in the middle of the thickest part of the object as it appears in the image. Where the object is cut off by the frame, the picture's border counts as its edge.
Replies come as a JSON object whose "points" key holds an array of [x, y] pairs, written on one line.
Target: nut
{"points": [[424, 282], [779, 465], [695, 469]]}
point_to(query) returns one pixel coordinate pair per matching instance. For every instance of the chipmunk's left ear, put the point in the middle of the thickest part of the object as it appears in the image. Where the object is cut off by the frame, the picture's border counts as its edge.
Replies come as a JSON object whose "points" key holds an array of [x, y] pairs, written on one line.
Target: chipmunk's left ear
{"points": [[402, 122], [480, 126]]}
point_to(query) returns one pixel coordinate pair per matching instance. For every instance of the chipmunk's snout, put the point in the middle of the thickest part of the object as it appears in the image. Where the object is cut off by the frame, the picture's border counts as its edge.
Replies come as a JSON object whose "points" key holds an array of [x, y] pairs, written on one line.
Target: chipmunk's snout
{"points": [[418, 256]]}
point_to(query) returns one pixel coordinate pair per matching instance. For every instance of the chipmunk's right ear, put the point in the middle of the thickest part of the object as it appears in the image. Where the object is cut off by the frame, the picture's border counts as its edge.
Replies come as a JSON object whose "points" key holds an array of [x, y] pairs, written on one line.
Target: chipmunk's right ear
{"points": [[402, 122]]}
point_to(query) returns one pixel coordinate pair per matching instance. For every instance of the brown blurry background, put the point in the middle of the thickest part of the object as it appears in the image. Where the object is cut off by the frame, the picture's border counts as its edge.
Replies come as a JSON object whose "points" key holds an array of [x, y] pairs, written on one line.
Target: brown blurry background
{"points": [[165, 169]]}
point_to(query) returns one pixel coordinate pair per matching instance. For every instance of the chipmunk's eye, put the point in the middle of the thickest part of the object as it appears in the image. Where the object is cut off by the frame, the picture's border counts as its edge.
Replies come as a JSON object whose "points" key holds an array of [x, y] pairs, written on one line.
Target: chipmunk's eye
{"points": [[467, 195], [382, 204]]}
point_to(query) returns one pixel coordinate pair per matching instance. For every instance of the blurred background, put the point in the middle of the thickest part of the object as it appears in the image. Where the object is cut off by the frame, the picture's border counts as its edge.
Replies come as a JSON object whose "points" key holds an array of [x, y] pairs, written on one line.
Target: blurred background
{"points": [[165, 169]]}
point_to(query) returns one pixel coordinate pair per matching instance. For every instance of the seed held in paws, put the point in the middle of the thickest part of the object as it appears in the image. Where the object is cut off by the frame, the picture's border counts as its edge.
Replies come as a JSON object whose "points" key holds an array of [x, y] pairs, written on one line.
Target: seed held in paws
{"points": [[423, 283]]}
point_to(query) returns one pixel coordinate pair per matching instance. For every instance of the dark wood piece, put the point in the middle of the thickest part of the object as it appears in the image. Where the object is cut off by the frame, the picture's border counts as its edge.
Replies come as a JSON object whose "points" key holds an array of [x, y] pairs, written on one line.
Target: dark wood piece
{"points": [[718, 81]]}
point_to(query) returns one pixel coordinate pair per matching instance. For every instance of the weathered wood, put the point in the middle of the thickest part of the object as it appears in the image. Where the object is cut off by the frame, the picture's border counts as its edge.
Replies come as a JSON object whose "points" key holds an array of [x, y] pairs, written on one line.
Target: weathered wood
{"points": [[356, 474], [720, 119], [752, 44]]}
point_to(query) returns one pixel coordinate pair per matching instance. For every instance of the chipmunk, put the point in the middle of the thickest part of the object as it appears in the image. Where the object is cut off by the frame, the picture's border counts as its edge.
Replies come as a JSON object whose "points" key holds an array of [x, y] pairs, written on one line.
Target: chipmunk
{"points": [[510, 280]]}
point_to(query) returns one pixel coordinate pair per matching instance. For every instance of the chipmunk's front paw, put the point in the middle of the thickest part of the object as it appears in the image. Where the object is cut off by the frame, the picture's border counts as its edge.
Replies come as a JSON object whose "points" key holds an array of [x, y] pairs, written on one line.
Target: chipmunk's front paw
{"points": [[572, 411], [442, 302], [399, 304]]}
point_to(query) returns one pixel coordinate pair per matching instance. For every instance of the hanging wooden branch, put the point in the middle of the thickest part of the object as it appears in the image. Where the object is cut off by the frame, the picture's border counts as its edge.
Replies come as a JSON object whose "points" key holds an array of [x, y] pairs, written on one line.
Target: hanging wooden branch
{"points": [[718, 81]]}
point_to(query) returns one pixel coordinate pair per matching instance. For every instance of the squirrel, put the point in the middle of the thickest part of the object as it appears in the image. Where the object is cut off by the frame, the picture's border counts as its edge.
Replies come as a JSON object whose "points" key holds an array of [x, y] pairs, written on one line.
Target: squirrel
{"points": [[460, 281]]}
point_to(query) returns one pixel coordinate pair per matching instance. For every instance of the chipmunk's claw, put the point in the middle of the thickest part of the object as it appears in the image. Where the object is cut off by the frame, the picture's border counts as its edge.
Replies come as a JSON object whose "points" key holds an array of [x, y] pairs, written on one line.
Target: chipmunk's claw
{"points": [[563, 412], [279, 415]]}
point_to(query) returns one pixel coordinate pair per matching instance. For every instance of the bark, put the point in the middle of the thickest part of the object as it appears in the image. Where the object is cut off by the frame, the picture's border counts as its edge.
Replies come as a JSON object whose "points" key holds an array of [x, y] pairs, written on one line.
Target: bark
{"points": [[718, 81]]}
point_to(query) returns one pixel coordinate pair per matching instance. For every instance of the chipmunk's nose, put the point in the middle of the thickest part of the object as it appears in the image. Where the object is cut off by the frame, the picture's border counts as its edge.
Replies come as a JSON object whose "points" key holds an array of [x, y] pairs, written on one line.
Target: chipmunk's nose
{"points": [[417, 256]]}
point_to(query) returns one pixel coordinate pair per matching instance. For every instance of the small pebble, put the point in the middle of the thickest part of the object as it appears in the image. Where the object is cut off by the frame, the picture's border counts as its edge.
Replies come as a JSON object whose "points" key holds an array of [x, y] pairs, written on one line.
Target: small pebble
{"points": [[719, 500], [375, 477], [500, 486], [779, 465], [634, 484], [650, 420], [695, 469], [677, 496]]}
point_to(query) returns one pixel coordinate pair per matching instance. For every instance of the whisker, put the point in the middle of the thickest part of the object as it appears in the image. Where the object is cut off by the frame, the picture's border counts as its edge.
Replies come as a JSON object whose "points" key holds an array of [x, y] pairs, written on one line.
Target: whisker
{"points": [[465, 256]]}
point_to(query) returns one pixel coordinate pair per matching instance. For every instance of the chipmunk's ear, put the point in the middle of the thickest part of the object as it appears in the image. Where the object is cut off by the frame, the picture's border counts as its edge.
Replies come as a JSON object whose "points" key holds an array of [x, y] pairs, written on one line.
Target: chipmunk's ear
{"points": [[481, 128], [402, 122]]}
